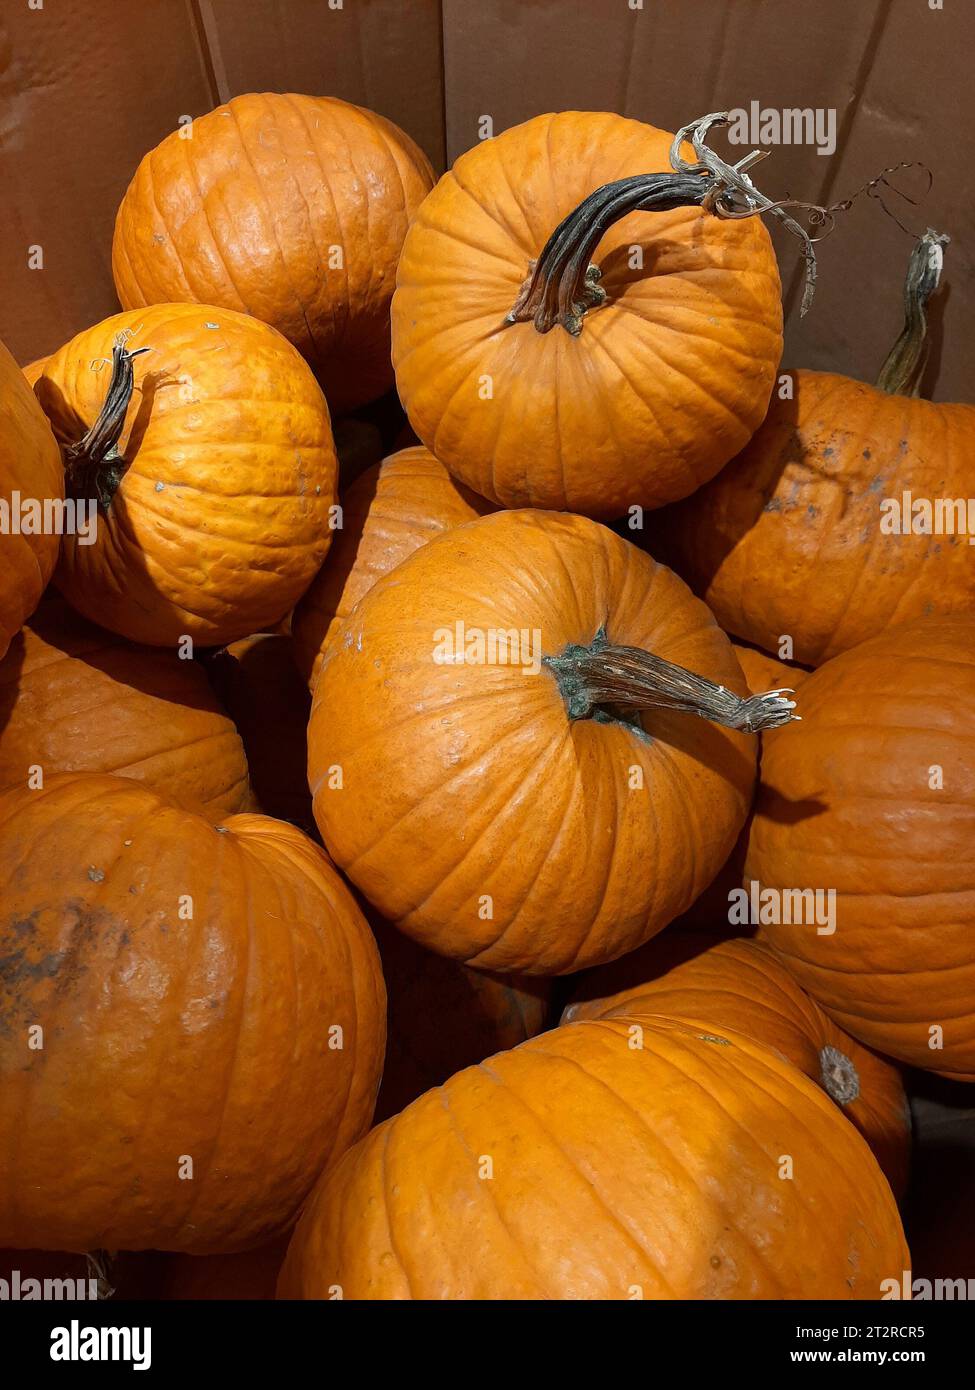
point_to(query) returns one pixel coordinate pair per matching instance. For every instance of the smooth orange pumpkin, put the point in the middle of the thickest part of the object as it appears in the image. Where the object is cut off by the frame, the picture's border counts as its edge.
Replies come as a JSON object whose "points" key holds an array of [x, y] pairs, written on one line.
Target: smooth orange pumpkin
{"points": [[211, 459], [75, 698], [291, 208], [793, 537], [743, 986], [503, 749], [31, 473], [265, 696], [873, 796], [646, 384], [444, 1016], [387, 513], [616, 1172], [33, 370], [189, 980]]}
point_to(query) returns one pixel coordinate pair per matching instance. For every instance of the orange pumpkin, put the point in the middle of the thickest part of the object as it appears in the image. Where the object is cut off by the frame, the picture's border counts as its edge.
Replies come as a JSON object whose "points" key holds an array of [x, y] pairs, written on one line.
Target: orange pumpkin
{"points": [[761, 672], [503, 751], [75, 698], [764, 672], [189, 981], [33, 370], [257, 681], [794, 536], [387, 513], [583, 1166], [873, 796], [444, 1016], [291, 208], [667, 365], [30, 473], [742, 986], [211, 459]]}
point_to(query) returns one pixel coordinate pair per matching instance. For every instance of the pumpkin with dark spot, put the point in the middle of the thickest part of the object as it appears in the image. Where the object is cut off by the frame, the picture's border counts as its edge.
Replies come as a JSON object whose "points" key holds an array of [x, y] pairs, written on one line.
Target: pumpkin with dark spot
{"points": [[796, 535], [192, 1021]]}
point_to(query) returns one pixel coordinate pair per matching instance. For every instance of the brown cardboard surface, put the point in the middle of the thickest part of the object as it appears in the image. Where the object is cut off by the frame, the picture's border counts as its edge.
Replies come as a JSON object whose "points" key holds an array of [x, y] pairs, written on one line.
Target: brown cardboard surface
{"points": [[85, 89], [384, 54], [895, 73], [914, 104], [88, 86]]}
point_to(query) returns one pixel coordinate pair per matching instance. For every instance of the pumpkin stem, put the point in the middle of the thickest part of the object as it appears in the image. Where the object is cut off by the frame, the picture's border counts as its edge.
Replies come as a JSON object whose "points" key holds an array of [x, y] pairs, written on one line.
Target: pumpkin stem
{"points": [[838, 1076], [563, 283], [628, 678], [94, 465], [904, 366]]}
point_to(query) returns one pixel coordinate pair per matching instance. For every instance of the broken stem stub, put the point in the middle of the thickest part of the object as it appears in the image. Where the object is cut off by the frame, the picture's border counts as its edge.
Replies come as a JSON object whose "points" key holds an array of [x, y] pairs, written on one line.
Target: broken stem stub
{"points": [[904, 366], [93, 466], [606, 676], [563, 283]]}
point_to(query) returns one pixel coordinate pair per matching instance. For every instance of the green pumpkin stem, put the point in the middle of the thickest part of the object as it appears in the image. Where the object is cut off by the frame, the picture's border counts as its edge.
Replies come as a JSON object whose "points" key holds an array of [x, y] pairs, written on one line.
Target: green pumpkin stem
{"points": [[905, 363], [94, 467], [563, 283], [606, 676]]}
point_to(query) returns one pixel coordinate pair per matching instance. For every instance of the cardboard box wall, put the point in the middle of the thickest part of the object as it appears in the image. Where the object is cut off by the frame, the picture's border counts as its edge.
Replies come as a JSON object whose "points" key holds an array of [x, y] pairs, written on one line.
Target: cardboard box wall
{"points": [[87, 86]]}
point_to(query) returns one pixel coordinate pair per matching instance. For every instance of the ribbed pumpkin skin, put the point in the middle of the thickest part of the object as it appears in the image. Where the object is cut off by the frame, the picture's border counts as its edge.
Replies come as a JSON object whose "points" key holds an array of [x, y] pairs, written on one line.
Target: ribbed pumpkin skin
{"points": [[461, 781], [231, 423], [75, 698], [443, 1016], [31, 466], [618, 1172], [761, 673], [744, 987], [267, 700], [387, 513], [845, 803], [248, 215], [165, 1037], [800, 506], [667, 380]]}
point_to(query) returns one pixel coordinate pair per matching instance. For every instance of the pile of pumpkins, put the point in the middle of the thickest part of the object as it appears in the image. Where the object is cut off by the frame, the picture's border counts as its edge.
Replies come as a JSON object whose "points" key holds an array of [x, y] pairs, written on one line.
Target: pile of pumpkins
{"points": [[287, 745]]}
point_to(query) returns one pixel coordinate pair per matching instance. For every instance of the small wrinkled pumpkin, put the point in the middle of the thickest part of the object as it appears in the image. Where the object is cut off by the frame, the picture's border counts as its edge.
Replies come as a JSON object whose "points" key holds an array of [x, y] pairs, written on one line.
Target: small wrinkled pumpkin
{"points": [[75, 698], [504, 749], [31, 476], [794, 536], [616, 1172], [443, 1016], [266, 698], [387, 513], [743, 986], [291, 208], [873, 796], [205, 442], [189, 980], [555, 391]]}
